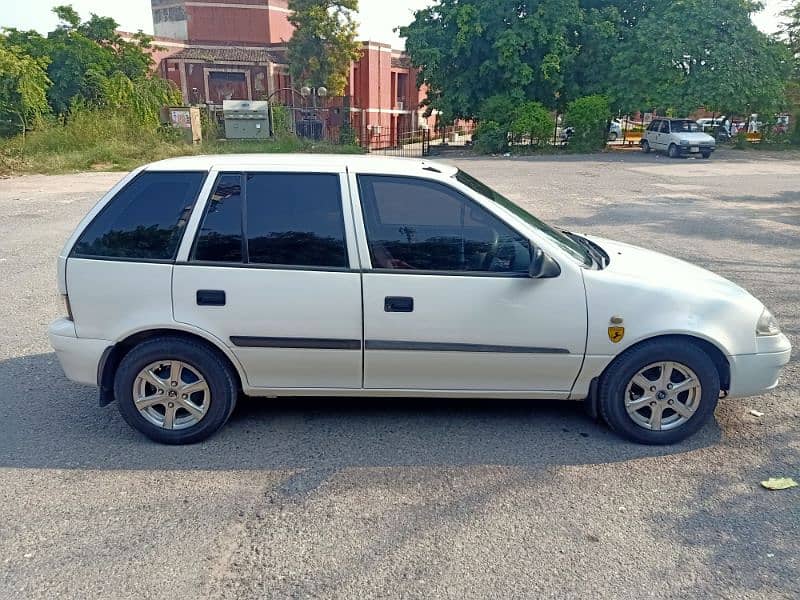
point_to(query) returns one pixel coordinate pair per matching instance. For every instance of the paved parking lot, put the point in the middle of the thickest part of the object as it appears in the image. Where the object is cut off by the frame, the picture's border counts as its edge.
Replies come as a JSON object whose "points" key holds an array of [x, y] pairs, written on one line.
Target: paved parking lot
{"points": [[413, 499]]}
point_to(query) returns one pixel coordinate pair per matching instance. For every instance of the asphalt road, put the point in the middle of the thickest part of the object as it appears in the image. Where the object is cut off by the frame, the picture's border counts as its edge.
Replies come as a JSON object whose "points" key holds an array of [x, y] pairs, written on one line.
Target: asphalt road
{"points": [[413, 499]]}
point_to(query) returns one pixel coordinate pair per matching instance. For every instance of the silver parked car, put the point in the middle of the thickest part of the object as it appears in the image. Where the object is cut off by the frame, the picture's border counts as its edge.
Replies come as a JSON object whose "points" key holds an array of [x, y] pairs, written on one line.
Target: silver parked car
{"points": [[678, 137]]}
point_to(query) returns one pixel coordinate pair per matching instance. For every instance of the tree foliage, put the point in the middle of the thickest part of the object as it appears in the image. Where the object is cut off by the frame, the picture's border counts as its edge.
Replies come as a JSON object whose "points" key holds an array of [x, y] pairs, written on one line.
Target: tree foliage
{"points": [[588, 116], [81, 56], [323, 44], [641, 54], [23, 87]]}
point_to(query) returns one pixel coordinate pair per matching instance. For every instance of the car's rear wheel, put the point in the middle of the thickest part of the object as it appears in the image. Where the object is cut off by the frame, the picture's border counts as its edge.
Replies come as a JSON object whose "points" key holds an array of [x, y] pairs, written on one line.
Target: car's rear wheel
{"points": [[174, 391], [612, 137], [673, 151], [706, 154], [659, 392], [646, 146]]}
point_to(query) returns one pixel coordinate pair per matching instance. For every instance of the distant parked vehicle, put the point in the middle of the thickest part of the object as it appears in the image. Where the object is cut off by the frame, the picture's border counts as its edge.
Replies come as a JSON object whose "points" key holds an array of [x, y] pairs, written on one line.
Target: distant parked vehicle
{"points": [[677, 137], [614, 131], [719, 128]]}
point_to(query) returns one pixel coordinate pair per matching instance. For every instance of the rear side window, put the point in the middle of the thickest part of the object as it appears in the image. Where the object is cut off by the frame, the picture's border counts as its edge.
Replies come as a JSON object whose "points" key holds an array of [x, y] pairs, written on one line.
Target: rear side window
{"points": [[145, 220], [295, 219], [220, 236], [278, 219]]}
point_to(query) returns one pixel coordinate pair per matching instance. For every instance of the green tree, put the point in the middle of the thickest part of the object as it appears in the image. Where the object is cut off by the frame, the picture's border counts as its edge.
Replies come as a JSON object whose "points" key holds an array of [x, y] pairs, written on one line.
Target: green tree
{"points": [[82, 55], [791, 32], [469, 50], [323, 44], [23, 87], [686, 54], [588, 116]]}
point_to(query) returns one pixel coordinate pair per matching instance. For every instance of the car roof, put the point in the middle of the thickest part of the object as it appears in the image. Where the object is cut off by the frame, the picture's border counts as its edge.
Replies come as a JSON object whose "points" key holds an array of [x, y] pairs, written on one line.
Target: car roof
{"points": [[387, 164]]}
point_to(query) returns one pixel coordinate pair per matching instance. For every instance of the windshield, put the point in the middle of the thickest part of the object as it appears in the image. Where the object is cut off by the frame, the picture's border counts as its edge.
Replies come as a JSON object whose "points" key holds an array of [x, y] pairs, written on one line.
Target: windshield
{"points": [[685, 127], [568, 244]]}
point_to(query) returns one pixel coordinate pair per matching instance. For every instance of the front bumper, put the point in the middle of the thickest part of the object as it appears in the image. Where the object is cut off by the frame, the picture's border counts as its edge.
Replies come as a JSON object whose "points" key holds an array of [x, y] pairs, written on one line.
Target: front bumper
{"points": [[753, 374], [701, 149], [79, 357]]}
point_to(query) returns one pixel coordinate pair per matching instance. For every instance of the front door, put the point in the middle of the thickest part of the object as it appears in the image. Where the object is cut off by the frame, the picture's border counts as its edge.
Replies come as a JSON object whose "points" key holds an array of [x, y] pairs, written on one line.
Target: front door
{"points": [[448, 303], [270, 275]]}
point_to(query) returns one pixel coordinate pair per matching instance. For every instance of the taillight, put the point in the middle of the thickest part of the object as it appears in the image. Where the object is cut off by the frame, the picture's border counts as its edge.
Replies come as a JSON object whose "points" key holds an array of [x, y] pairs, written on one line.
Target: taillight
{"points": [[67, 306]]}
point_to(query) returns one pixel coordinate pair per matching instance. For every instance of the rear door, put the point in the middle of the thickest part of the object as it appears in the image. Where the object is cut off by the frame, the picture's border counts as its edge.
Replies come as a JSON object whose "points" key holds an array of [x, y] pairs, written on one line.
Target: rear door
{"points": [[273, 273]]}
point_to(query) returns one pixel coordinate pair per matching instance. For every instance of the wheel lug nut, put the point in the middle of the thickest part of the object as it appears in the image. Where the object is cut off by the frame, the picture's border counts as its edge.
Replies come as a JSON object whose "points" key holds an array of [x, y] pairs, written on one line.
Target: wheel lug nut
{"points": [[653, 403], [669, 386], [160, 391], [171, 405], [653, 389], [184, 396], [174, 384], [670, 402]]}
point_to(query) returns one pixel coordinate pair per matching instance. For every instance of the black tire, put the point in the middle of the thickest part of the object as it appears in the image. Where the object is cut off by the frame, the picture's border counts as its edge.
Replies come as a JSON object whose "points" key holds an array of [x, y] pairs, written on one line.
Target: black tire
{"points": [[672, 151], [613, 383], [612, 137], [646, 146], [706, 155], [221, 384]]}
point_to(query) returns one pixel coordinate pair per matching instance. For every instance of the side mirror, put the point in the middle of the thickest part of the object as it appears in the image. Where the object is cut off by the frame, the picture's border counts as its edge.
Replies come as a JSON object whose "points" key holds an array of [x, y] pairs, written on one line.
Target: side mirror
{"points": [[542, 266]]}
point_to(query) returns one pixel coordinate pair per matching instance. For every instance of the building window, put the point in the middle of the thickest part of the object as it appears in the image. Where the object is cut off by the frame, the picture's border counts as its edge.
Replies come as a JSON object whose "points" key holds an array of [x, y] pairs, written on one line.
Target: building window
{"points": [[226, 86]]}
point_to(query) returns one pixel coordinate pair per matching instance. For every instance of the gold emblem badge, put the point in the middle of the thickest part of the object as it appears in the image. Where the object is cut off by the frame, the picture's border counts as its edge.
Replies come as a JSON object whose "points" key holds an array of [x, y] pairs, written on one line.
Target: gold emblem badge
{"points": [[615, 334]]}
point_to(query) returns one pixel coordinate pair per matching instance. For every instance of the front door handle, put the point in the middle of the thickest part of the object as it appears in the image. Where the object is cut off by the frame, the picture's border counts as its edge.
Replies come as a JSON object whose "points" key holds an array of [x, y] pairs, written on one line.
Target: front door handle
{"points": [[210, 298], [398, 304]]}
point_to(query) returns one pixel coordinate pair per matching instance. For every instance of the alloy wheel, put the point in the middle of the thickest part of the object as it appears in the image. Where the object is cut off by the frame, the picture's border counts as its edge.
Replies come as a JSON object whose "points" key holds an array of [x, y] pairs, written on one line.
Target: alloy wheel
{"points": [[663, 396], [171, 394]]}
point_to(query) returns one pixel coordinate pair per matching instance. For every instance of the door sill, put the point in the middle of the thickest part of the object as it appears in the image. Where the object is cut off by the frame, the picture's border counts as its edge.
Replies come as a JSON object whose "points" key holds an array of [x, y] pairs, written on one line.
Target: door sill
{"points": [[408, 393]]}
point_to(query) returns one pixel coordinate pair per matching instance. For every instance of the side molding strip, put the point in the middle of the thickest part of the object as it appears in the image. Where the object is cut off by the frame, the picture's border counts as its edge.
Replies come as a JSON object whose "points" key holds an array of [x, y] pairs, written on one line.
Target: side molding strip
{"points": [[303, 343], [445, 347]]}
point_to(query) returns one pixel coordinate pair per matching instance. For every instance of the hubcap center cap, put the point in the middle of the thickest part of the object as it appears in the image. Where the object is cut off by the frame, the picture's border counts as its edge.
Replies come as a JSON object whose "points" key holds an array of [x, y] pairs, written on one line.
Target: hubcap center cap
{"points": [[173, 394], [661, 395]]}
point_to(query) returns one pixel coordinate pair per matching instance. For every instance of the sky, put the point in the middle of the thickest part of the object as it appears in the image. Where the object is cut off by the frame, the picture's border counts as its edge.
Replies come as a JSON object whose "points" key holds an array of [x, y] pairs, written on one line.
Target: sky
{"points": [[377, 18]]}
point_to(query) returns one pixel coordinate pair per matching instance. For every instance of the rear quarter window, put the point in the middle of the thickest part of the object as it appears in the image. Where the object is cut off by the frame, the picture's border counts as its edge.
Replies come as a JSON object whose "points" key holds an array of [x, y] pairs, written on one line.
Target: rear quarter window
{"points": [[145, 220]]}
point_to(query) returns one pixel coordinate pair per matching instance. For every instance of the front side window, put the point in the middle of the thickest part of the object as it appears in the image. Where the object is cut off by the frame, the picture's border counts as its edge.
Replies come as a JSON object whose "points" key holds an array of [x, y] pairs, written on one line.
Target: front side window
{"points": [[145, 220], [654, 126], [422, 225], [664, 126], [276, 219]]}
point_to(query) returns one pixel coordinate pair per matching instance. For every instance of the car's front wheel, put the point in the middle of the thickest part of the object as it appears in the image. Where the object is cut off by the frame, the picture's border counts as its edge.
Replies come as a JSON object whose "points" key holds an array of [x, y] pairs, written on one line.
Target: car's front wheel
{"points": [[659, 392], [673, 151], [706, 155], [174, 390], [646, 146]]}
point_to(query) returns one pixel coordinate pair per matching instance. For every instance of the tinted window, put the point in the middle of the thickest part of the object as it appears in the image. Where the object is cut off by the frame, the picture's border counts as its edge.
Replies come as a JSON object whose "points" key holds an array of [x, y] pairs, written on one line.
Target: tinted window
{"points": [[654, 126], [664, 126], [425, 225], [295, 219], [145, 220], [220, 236]]}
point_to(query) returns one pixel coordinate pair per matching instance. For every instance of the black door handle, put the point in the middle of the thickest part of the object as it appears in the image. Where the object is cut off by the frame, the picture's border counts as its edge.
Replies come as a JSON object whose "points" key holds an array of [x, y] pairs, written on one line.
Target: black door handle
{"points": [[398, 304], [210, 298]]}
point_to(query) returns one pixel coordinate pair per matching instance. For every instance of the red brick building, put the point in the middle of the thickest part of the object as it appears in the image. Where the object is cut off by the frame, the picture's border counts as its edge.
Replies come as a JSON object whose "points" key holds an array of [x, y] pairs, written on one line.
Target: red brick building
{"points": [[217, 50]]}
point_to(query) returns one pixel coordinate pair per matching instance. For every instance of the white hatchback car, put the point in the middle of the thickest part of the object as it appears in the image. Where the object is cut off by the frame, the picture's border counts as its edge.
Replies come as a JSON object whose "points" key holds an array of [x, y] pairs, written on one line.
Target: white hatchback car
{"points": [[678, 137], [195, 279]]}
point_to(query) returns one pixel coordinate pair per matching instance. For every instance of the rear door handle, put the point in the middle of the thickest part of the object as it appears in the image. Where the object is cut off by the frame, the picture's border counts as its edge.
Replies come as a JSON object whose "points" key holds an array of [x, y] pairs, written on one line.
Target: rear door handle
{"points": [[398, 304], [210, 298]]}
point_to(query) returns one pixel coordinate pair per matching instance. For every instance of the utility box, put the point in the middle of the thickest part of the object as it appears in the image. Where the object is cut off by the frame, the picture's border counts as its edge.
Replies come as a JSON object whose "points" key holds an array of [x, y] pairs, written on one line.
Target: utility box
{"points": [[186, 119], [246, 119]]}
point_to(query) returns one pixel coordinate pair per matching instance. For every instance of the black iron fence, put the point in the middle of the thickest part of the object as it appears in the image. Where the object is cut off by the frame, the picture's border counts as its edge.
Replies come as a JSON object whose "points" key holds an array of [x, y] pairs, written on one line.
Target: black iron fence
{"points": [[410, 144]]}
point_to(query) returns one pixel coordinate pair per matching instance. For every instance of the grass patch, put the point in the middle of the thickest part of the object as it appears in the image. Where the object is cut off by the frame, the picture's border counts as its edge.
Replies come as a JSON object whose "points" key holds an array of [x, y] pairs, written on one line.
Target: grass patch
{"points": [[106, 140]]}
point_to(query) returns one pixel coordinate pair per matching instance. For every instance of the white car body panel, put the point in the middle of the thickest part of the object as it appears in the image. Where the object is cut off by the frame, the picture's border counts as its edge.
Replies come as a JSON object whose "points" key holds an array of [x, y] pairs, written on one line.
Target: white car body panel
{"points": [[504, 337]]}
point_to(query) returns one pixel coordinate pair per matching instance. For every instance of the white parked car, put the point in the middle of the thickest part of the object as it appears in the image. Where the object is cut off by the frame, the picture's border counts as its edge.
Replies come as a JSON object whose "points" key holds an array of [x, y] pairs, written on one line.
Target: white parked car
{"points": [[197, 278], [677, 137]]}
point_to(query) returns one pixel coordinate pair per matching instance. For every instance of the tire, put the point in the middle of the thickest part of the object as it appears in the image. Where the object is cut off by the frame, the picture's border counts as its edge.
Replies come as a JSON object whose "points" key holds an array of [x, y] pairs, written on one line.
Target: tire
{"points": [[706, 155], [200, 365], [646, 146], [612, 137], [673, 151], [613, 392]]}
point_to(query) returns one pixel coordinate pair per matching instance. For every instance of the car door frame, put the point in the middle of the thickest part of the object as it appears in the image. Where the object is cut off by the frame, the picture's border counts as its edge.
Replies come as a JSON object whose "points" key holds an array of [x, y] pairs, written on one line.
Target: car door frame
{"points": [[183, 258], [569, 269]]}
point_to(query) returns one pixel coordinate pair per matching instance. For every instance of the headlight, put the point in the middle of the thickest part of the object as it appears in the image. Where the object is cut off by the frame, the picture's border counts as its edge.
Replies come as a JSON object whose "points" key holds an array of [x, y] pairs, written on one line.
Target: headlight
{"points": [[767, 324]]}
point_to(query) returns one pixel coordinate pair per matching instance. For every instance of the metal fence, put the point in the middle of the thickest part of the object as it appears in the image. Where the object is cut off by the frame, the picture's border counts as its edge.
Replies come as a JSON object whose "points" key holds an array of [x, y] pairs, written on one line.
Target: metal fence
{"points": [[410, 144]]}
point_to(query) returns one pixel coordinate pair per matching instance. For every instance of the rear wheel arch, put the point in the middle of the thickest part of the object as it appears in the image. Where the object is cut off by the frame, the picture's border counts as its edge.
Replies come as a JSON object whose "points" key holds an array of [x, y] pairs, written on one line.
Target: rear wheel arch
{"points": [[114, 354]]}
